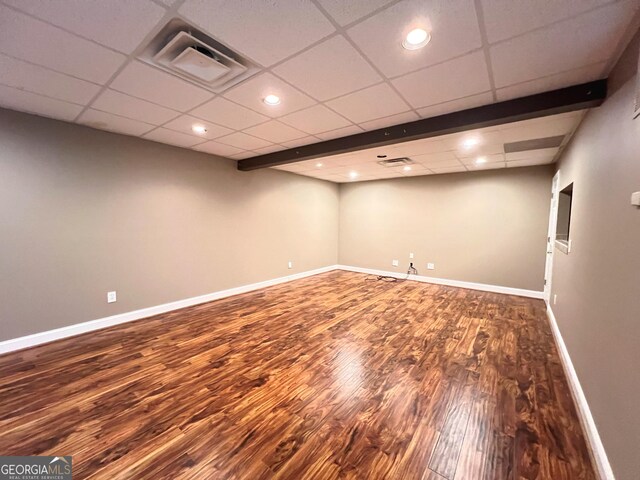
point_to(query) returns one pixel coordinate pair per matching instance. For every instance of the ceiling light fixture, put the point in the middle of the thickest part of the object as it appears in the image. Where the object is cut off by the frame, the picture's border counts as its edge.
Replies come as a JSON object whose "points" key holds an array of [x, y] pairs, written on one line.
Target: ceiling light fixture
{"points": [[407, 168], [481, 160], [415, 39], [271, 100], [199, 129], [318, 164], [469, 143], [353, 174]]}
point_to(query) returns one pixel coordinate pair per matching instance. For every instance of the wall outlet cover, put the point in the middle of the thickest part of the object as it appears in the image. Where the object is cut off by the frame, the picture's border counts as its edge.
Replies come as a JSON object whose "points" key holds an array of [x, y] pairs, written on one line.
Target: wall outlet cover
{"points": [[111, 297], [290, 265], [411, 255], [431, 266], [395, 263]]}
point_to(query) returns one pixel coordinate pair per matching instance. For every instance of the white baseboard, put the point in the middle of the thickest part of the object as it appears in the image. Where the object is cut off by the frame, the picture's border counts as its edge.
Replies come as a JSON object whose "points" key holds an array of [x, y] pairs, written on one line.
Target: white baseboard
{"points": [[586, 419], [79, 328], [451, 283]]}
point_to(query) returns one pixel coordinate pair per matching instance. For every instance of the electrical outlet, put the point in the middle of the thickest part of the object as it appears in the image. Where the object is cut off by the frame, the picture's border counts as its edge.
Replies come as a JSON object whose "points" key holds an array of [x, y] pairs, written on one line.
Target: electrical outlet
{"points": [[290, 264], [431, 266], [411, 255], [395, 263], [111, 297]]}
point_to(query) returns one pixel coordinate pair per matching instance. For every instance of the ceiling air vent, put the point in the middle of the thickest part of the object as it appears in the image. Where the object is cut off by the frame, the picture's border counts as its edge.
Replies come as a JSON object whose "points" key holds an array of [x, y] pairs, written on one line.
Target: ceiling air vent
{"points": [[395, 162], [534, 144], [185, 51]]}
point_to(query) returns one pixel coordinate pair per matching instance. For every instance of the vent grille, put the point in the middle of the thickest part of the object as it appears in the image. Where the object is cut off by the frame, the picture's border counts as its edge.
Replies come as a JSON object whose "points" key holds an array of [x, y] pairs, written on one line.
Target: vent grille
{"points": [[534, 144], [395, 162], [183, 50]]}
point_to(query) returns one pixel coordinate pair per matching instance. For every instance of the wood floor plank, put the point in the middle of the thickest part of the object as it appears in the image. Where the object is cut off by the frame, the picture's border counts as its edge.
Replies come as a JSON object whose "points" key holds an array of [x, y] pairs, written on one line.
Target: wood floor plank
{"points": [[334, 376]]}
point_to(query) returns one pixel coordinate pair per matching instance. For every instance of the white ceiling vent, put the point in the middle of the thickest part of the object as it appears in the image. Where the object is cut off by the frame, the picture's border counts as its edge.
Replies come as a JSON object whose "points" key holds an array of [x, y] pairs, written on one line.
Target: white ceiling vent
{"points": [[184, 51], [394, 162]]}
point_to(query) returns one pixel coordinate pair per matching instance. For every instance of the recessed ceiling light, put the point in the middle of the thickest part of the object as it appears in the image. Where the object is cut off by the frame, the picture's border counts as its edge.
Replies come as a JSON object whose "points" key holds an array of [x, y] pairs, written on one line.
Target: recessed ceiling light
{"points": [[199, 129], [318, 164], [416, 38], [481, 160], [407, 168], [271, 99], [470, 142], [353, 174]]}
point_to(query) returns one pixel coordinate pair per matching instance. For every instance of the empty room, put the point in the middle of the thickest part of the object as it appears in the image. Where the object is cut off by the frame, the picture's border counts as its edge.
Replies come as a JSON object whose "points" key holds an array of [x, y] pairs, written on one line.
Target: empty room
{"points": [[320, 239]]}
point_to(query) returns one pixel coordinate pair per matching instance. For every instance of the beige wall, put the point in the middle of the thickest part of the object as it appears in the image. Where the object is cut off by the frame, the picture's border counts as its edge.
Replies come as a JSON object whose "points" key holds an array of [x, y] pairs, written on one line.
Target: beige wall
{"points": [[598, 283], [83, 212], [485, 227]]}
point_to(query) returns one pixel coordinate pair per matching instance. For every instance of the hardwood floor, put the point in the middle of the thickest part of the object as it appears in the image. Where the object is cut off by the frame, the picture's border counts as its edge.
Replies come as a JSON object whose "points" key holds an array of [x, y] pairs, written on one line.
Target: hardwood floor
{"points": [[332, 376]]}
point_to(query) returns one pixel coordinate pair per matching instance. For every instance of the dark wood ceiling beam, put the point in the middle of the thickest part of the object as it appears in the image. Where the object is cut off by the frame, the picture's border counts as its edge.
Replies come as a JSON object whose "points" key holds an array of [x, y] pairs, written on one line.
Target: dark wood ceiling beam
{"points": [[563, 100]]}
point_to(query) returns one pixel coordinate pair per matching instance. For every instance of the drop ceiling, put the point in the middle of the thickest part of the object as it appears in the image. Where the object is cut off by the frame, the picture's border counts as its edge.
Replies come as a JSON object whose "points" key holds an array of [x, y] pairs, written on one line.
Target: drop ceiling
{"points": [[337, 66], [480, 149]]}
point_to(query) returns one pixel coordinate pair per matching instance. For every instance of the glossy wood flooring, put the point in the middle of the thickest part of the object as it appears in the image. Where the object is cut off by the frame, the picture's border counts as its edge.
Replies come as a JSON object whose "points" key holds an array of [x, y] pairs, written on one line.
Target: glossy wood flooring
{"points": [[332, 376]]}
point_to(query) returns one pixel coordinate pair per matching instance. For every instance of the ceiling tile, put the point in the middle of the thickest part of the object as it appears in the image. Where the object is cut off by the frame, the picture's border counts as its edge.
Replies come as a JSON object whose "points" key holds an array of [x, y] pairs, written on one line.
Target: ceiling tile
{"points": [[553, 82], [185, 123], [586, 39], [37, 42], [216, 148], [269, 149], [390, 121], [416, 147], [164, 135], [452, 23], [437, 160], [449, 170], [275, 132], [301, 141], [102, 21], [471, 101], [486, 166], [487, 141], [268, 32], [507, 18], [495, 158], [436, 84], [368, 104], [345, 12], [113, 123], [530, 162], [311, 71], [143, 81], [134, 108], [26, 76], [243, 141], [415, 171], [226, 113], [33, 103], [315, 120], [243, 155], [251, 93], [340, 132]]}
